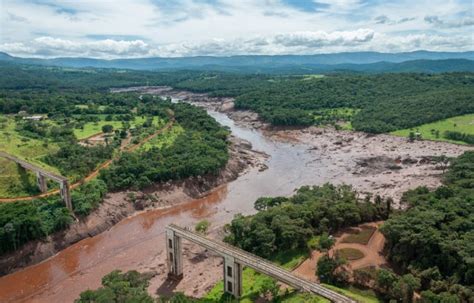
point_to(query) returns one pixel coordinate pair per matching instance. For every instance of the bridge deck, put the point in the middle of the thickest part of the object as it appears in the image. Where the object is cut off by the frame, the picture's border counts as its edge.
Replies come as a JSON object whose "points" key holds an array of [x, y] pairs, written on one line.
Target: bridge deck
{"points": [[33, 167], [260, 265]]}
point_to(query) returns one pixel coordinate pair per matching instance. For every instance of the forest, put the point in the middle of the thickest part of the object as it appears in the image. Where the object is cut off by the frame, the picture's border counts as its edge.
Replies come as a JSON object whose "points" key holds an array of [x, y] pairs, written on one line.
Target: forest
{"points": [[434, 237], [430, 244], [380, 102], [77, 105], [199, 150], [289, 223]]}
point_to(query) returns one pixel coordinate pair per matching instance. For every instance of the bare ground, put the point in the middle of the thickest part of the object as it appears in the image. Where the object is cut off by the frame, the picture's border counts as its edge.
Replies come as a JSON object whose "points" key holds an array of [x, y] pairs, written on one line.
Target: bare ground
{"points": [[373, 254]]}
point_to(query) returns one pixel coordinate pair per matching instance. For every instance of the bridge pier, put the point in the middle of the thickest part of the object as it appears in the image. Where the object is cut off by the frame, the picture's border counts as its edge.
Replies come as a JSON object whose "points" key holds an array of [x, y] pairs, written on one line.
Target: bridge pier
{"points": [[232, 277], [65, 194], [41, 181], [174, 255]]}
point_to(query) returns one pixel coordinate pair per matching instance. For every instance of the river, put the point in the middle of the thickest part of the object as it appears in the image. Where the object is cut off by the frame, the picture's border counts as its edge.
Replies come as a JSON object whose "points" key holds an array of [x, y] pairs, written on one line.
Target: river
{"points": [[137, 239]]}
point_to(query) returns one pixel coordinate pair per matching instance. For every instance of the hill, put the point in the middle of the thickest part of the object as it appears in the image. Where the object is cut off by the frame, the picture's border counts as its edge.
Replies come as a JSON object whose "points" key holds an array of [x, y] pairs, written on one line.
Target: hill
{"points": [[420, 61]]}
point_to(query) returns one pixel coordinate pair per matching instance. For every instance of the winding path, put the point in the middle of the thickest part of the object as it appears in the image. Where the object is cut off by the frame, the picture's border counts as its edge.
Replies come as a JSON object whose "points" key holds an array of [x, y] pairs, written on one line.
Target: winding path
{"points": [[94, 173]]}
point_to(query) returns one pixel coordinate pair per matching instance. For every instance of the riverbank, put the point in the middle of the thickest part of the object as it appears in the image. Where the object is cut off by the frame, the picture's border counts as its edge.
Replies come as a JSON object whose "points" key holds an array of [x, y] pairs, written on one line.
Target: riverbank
{"points": [[137, 242], [120, 205], [381, 164]]}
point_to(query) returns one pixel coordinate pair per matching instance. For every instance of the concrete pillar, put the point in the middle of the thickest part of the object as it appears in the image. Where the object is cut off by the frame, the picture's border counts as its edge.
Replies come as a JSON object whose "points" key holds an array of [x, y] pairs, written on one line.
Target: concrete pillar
{"points": [[65, 194], [232, 277], [41, 181], [174, 255]]}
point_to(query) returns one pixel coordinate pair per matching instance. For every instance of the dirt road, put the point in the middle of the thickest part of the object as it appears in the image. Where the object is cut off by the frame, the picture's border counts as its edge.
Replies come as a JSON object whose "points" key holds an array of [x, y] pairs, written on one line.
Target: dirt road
{"points": [[94, 173]]}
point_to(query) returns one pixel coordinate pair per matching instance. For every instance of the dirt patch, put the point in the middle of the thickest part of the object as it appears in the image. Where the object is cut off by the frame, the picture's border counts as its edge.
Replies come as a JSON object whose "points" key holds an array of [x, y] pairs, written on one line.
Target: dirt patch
{"points": [[119, 205], [350, 254], [358, 255], [361, 235], [382, 165]]}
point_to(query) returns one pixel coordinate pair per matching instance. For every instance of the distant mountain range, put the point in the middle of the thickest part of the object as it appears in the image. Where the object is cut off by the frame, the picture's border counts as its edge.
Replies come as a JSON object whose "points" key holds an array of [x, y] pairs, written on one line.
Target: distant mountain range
{"points": [[418, 61]]}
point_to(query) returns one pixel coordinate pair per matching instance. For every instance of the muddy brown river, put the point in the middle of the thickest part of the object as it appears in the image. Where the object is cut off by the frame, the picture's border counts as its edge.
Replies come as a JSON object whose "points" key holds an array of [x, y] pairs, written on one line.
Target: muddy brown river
{"points": [[138, 241]]}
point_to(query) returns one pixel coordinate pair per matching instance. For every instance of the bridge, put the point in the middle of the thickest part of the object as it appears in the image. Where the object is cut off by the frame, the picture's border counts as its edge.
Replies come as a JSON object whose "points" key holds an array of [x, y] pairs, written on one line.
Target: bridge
{"points": [[234, 261], [41, 176]]}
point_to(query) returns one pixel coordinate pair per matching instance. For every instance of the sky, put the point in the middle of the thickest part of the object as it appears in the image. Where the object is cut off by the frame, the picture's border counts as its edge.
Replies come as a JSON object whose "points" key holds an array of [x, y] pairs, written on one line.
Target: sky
{"points": [[175, 28]]}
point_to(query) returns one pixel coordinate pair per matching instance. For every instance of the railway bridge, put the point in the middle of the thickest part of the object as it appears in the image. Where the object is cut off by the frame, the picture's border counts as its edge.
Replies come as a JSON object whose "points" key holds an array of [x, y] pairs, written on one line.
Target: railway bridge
{"points": [[41, 176], [234, 261]]}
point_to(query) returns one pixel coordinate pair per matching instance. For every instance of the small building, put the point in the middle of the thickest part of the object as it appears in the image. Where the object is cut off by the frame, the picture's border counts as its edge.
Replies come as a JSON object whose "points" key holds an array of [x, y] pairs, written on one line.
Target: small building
{"points": [[35, 118]]}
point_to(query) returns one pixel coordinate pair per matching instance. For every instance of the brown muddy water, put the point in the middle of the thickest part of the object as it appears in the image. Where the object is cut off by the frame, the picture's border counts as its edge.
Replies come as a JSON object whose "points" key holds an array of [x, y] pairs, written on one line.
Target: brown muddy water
{"points": [[139, 239]]}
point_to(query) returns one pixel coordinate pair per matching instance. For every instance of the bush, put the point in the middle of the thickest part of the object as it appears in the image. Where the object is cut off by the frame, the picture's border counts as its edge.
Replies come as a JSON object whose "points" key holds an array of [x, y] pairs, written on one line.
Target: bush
{"points": [[119, 288], [202, 226]]}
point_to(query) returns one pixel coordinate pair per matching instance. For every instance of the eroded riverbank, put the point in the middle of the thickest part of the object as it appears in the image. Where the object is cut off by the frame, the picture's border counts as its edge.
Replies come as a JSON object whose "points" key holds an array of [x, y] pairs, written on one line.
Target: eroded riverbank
{"points": [[297, 157]]}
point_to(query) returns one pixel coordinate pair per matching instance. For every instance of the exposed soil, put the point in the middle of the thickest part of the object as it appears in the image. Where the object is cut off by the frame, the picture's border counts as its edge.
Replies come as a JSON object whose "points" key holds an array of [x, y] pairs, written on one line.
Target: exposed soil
{"points": [[379, 164], [119, 205], [373, 254]]}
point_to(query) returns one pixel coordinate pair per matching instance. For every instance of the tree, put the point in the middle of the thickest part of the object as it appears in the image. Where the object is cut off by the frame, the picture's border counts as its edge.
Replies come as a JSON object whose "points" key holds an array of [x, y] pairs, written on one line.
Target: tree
{"points": [[202, 226], [120, 288], [268, 288], [330, 270], [385, 279], [107, 128]]}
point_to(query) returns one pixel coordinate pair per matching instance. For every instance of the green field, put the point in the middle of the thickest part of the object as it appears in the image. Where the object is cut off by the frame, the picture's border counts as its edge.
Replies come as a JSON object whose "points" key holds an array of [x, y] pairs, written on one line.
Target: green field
{"points": [[164, 139], [362, 237], [31, 150], [94, 128], [312, 77], [16, 182], [463, 124]]}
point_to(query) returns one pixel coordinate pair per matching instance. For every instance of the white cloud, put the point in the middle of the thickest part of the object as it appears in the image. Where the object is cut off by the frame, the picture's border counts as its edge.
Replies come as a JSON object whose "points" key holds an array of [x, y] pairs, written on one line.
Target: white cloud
{"points": [[225, 27], [322, 38], [437, 21]]}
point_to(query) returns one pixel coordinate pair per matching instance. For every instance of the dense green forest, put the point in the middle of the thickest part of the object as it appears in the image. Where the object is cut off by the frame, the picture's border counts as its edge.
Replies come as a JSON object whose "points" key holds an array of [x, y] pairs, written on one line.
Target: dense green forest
{"points": [[434, 237], [380, 103], [200, 149], [24, 221], [458, 136], [430, 244], [288, 223]]}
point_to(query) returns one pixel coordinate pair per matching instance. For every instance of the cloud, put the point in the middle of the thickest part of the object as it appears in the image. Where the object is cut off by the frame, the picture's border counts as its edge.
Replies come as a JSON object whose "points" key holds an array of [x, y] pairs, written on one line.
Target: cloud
{"points": [[382, 19], [437, 21], [143, 28], [321, 38], [16, 18], [49, 46]]}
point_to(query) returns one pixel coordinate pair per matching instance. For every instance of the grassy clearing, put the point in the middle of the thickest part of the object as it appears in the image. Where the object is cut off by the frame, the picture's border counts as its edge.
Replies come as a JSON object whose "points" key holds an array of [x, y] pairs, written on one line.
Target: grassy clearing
{"points": [[15, 181], [350, 254], [94, 128], [164, 139], [312, 77], [363, 296], [435, 130], [362, 237], [31, 150]]}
